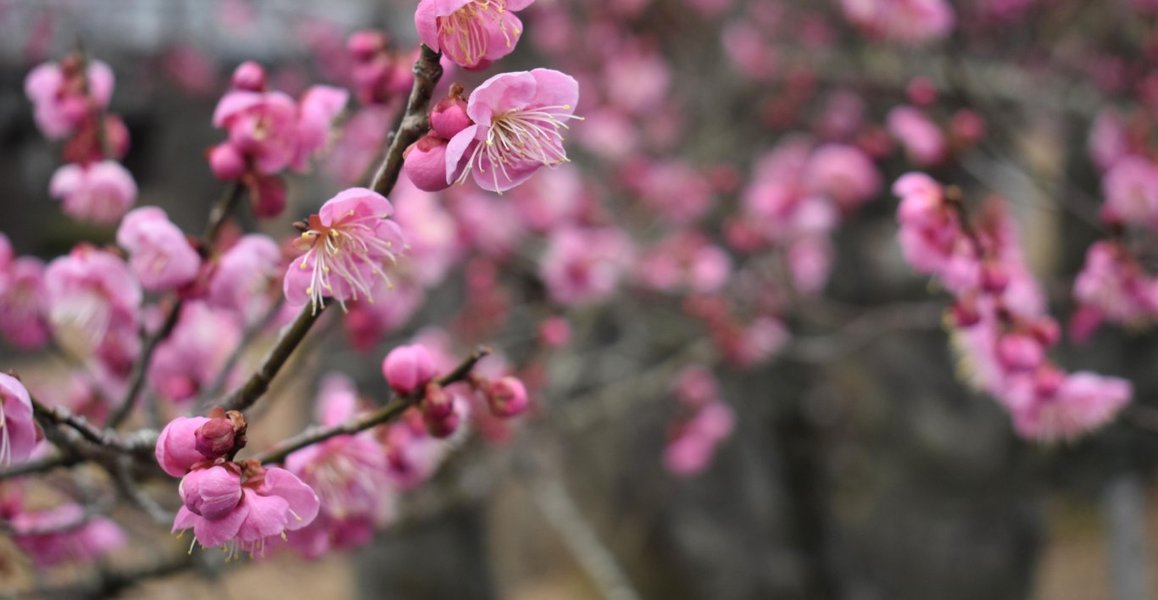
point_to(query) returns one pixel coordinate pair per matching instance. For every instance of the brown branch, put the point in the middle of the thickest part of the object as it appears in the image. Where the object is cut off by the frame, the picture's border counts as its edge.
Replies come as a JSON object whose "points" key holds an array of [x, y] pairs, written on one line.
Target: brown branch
{"points": [[383, 415], [59, 416], [220, 212], [414, 122], [258, 383], [42, 465]]}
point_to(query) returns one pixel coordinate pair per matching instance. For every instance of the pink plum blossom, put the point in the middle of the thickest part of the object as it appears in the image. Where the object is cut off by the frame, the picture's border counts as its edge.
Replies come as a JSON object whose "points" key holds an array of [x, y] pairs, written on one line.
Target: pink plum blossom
{"points": [[472, 33], [18, 435], [518, 122], [245, 276], [159, 253], [408, 368], [922, 139], [64, 534], [349, 246], [349, 474], [94, 306], [194, 354], [99, 192], [906, 21], [582, 266], [62, 96], [269, 502], [1084, 402], [176, 450], [23, 321]]}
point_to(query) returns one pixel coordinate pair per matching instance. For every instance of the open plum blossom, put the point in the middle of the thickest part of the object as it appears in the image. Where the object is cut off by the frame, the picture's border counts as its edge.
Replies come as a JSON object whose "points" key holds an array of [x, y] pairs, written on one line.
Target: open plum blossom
{"points": [[64, 534], [518, 122], [268, 129], [98, 192], [349, 474], [159, 254], [243, 507], [349, 245], [17, 428], [22, 318], [244, 277], [62, 94], [472, 33], [94, 307]]}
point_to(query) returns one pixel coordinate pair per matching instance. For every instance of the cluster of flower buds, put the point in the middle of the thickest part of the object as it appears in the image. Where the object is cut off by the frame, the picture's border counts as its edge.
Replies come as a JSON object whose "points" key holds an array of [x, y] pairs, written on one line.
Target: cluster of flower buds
{"points": [[1113, 285], [238, 505], [70, 101], [705, 420], [999, 319], [269, 132]]}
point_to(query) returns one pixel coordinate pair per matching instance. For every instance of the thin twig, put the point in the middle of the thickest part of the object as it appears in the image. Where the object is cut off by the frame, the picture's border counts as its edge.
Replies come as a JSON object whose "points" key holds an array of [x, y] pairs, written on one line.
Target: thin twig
{"points": [[59, 416], [258, 383], [41, 465], [385, 414]]}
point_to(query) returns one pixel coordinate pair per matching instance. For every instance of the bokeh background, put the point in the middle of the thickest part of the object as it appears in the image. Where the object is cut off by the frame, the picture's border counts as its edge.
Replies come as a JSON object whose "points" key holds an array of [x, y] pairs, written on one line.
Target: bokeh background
{"points": [[861, 467]]}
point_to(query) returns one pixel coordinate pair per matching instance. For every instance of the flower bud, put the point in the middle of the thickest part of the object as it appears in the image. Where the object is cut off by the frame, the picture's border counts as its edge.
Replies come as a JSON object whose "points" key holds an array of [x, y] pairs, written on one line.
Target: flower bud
{"points": [[425, 163], [449, 117], [442, 428], [363, 45], [249, 76], [176, 449], [408, 368], [211, 493], [226, 162], [1019, 351], [507, 397], [267, 193], [437, 404], [222, 435]]}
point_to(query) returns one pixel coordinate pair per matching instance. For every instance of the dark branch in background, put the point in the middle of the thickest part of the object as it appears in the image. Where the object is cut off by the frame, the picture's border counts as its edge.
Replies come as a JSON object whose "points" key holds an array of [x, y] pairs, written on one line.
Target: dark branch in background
{"points": [[383, 415], [217, 216], [58, 416], [42, 465], [414, 122]]}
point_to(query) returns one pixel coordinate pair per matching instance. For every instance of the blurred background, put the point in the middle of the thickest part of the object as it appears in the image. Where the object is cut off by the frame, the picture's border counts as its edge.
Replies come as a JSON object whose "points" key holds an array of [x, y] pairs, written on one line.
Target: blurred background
{"points": [[860, 466]]}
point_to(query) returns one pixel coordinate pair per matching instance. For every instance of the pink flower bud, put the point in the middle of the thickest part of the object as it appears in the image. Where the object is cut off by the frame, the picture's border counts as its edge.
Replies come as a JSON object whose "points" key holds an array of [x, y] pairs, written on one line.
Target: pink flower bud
{"points": [[437, 404], [1020, 351], [554, 332], [226, 162], [425, 163], [444, 427], [267, 193], [449, 117], [507, 397], [994, 277], [221, 435], [176, 449], [249, 76], [211, 493], [408, 368], [365, 44]]}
